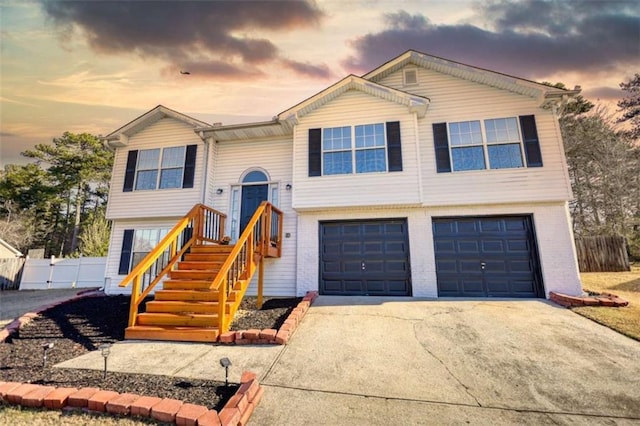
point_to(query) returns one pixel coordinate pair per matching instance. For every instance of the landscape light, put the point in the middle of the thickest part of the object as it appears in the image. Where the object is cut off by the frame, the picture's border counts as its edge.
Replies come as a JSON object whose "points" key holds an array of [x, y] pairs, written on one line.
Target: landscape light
{"points": [[45, 348], [225, 363], [105, 348]]}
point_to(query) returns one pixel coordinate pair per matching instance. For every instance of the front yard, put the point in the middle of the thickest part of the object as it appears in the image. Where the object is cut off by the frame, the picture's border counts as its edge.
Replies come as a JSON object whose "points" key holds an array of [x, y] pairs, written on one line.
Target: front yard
{"points": [[626, 285]]}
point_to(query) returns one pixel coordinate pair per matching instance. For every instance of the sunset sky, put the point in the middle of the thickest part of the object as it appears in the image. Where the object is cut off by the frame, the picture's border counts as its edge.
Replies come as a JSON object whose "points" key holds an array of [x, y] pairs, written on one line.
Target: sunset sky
{"points": [[92, 66]]}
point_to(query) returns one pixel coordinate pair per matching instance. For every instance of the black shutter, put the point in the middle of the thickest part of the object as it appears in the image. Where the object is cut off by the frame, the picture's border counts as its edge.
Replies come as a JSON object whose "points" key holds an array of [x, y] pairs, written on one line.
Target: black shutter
{"points": [[189, 166], [125, 254], [531, 142], [315, 152], [394, 147], [130, 171], [441, 144]]}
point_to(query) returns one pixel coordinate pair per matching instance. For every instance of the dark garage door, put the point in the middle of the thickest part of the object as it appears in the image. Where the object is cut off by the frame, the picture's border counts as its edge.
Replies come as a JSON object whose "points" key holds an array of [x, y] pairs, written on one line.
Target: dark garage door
{"points": [[365, 258], [486, 257]]}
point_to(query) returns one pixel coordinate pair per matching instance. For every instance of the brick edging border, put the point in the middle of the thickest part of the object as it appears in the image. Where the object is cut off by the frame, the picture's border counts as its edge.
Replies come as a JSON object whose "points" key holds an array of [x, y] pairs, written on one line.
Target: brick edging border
{"points": [[236, 411], [26, 318], [602, 299], [271, 336]]}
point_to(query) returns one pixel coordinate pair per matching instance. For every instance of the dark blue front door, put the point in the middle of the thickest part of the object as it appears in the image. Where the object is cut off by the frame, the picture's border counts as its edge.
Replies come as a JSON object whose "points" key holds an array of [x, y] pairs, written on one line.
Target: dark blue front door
{"points": [[252, 196]]}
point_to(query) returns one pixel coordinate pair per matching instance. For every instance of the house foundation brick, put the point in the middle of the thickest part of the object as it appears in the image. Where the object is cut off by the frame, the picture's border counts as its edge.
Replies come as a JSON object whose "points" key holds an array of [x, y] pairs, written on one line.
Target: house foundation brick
{"points": [[142, 406], [189, 413], [98, 402], [210, 418], [228, 337], [269, 334], [252, 334], [122, 404], [166, 410], [229, 416], [36, 397], [250, 389], [247, 376], [15, 395], [80, 398], [57, 399], [6, 387]]}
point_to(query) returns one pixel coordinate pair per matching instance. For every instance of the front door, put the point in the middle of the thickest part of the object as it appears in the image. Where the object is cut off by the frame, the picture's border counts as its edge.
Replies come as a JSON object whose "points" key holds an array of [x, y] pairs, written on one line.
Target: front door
{"points": [[252, 196]]}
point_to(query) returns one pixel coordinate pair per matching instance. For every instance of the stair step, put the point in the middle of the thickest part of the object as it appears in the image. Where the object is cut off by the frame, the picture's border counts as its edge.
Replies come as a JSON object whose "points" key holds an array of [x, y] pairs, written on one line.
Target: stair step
{"points": [[211, 249], [200, 265], [211, 257], [177, 306], [182, 334], [192, 274], [191, 295], [187, 285], [187, 295], [190, 320]]}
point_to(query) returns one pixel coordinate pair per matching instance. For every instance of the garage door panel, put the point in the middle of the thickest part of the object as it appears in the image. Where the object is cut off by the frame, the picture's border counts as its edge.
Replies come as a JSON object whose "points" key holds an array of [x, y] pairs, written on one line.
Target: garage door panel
{"points": [[506, 247], [380, 245], [468, 246]]}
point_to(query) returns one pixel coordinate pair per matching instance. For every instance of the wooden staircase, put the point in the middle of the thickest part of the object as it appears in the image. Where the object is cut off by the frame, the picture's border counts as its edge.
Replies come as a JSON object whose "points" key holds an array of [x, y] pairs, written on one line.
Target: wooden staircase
{"points": [[203, 281], [186, 309]]}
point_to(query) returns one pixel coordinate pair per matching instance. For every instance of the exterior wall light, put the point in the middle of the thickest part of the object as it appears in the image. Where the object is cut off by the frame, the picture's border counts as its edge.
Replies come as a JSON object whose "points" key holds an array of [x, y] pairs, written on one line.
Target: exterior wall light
{"points": [[288, 187], [219, 191]]}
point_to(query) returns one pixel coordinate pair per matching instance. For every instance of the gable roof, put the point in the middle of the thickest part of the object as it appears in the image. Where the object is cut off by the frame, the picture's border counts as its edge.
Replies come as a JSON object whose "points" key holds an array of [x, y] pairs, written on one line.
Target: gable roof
{"points": [[518, 85], [414, 103], [120, 137], [9, 247]]}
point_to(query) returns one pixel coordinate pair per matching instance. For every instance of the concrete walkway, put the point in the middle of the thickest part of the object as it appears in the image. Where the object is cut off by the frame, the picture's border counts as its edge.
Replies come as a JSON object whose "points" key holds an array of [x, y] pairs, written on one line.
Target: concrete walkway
{"points": [[382, 361]]}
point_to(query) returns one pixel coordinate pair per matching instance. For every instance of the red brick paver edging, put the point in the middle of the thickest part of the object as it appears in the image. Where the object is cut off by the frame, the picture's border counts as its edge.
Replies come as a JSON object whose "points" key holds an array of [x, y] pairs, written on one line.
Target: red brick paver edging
{"points": [[601, 299], [236, 411], [270, 335]]}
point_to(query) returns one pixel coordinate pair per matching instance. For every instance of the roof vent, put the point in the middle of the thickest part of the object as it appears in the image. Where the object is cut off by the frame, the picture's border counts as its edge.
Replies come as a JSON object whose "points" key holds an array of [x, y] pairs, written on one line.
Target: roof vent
{"points": [[410, 77]]}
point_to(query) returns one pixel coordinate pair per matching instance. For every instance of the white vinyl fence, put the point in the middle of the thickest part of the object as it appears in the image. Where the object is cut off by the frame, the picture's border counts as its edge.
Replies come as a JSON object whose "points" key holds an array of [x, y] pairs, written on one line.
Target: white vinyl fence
{"points": [[84, 272]]}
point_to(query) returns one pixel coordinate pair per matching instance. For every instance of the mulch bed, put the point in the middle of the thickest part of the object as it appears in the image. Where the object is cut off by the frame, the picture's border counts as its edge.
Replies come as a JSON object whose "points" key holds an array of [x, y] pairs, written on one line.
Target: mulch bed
{"points": [[83, 325]]}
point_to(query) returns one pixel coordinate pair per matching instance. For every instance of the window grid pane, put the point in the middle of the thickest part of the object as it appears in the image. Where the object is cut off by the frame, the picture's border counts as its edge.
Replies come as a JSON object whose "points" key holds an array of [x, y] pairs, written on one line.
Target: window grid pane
{"points": [[148, 159], [146, 179], [502, 130], [335, 163], [173, 157], [469, 158], [336, 139], [465, 133], [370, 160], [505, 156], [171, 178]]}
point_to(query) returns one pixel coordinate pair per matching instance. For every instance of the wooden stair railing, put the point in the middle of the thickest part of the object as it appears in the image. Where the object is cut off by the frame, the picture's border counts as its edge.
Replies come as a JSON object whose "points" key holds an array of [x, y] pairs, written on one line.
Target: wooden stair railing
{"points": [[201, 230], [201, 224]]}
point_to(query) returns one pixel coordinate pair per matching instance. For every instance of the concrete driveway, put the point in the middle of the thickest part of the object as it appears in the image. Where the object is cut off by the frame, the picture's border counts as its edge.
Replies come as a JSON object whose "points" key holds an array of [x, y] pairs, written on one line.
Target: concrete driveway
{"points": [[14, 303], [381, 361]]}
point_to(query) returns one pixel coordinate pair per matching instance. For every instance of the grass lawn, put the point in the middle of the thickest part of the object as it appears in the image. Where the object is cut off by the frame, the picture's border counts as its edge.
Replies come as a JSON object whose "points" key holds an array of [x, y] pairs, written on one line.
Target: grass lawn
{"points": [[20, 416], [626, 285]]}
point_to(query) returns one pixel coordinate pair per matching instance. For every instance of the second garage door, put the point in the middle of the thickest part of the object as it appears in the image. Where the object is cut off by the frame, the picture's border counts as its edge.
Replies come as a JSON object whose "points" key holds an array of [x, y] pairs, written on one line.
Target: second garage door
{"points": [[492, 256], [368, 257]]}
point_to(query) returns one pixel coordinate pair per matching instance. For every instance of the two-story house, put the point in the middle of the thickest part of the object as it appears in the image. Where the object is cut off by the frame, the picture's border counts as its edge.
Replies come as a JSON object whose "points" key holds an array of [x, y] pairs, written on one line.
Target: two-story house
{"points": [[424, 177]]}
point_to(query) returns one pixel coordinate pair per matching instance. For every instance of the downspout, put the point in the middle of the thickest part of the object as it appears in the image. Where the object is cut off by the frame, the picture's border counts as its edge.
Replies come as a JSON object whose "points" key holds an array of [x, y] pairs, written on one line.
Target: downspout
{"points": [[418, 157], [205, 169]]}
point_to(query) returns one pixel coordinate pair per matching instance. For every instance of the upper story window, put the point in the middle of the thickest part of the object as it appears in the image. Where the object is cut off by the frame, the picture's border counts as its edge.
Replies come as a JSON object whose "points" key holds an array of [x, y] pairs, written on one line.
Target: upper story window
{"points": [[364, 148], [410, 76], [488, 144], [160, 168]]}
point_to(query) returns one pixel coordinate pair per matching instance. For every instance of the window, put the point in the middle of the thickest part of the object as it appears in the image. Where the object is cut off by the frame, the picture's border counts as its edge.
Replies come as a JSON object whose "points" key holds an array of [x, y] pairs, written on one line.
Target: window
{"points": [[488, 144], [160, 168], [144, 240], [341, 156], [136, 244], [410, 77]]}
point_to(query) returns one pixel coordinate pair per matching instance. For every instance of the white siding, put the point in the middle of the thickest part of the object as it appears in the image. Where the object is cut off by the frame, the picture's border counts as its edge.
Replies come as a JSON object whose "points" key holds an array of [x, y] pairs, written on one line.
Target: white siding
{"points": [[552, 227], [365, 189], [454, 99], [231, 161], [112, 278], [166, 132]]}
